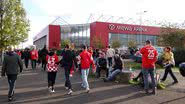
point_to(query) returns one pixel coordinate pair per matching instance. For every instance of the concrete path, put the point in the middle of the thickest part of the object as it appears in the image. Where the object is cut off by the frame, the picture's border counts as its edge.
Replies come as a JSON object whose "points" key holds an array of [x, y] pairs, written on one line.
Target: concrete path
{"points": [[31, 88]]}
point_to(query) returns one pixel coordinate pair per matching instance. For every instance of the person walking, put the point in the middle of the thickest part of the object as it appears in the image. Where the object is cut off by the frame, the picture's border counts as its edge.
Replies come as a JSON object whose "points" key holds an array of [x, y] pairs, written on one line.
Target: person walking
{"points": [[10, 68], [26, 57], [149, 58], [169, 62], [34, 57], [52, 68], [43, 54], [86, 61], [67, 62], [110, 54]]}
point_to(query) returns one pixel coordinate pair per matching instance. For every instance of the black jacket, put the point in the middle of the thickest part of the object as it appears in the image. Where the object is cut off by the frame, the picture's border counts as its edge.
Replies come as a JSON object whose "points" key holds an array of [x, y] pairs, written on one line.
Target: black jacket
{"points": [[26, 55], [43, 53], [102, 62], [68, 58], [11, 63], [118, 64]]}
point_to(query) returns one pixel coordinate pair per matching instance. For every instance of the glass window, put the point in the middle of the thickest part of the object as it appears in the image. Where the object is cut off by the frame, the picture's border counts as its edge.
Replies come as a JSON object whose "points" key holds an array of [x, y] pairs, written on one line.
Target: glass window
{"points": [[125, 38]]}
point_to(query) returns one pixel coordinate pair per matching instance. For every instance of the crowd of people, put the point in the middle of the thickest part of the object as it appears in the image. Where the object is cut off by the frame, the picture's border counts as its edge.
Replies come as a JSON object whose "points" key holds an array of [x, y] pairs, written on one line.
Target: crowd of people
{"points": [[83, 60]]}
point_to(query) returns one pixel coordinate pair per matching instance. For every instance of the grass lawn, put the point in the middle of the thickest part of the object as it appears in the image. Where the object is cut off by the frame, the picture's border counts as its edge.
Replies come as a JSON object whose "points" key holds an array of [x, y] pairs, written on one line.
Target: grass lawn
{"points": [[137, 66]]}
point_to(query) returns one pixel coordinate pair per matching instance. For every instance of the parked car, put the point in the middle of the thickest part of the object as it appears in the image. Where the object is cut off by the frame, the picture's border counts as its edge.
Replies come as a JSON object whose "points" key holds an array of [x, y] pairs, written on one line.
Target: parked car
{"points": [[124, 52]]}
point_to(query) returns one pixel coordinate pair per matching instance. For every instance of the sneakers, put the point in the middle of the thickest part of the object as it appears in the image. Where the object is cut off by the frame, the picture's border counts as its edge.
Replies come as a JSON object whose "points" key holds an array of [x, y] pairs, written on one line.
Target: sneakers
{"points": [[162, 80], [146, 91], [70, 92], [135, 79], [50, 89], [87, 90], [105, 80], [175, 82], [71, 75], [53, 91], [67, 88], [10, 99], [154, 91]]}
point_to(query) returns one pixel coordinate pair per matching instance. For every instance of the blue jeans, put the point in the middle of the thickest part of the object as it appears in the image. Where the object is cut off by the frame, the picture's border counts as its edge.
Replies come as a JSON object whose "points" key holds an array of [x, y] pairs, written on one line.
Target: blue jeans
{"points": [[33, 64], [113, 74], [85, 73], [11, 81], [145, 76]]}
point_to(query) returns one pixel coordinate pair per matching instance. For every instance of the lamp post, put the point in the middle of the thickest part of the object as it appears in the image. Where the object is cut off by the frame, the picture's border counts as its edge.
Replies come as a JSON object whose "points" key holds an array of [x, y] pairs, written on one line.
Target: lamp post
{"points": [[141, 15], [141, 21]]}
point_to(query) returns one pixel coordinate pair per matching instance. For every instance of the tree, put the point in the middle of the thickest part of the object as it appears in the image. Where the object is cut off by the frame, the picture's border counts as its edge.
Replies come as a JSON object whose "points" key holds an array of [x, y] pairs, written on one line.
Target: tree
{"points": [[116, 44], [65, 42], [14, 25], [97, 42], [132, 44], [172, 36]]}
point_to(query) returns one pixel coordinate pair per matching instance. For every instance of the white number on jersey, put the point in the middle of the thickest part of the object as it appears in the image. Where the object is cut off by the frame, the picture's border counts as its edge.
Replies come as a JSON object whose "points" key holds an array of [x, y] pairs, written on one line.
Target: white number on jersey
{"points": [[151, 54]]}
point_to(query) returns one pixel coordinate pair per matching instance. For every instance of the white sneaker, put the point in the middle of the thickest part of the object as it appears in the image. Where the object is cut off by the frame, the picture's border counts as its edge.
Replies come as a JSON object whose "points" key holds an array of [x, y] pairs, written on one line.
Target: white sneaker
{"points": [[71, 75], [50, 89], [67, 88], [53, 91], [70, 92], [87, 90]]}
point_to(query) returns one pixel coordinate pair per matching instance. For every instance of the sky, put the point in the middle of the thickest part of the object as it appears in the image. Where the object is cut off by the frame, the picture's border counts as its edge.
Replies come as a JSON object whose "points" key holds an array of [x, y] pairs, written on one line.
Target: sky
{"points": [[43, 12]]}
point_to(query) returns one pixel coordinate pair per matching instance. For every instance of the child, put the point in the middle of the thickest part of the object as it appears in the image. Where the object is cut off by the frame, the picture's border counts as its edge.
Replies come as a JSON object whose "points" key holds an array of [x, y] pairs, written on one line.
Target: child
{"points": [[52, 68]]}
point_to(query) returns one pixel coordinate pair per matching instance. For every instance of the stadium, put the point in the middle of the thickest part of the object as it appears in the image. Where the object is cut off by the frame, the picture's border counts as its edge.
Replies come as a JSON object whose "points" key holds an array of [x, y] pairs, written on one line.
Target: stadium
{"points": [[106, 31]]}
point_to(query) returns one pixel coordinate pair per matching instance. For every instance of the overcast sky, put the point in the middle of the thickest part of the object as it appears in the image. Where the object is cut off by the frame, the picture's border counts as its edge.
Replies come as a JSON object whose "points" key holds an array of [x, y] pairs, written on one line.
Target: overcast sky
{"points": [[43, 12]]}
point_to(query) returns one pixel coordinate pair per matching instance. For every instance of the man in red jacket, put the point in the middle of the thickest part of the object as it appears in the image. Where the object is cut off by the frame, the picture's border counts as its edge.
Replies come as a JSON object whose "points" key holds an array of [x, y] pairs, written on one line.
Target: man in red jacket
{"points": [[86, 61], [149, 57], [34, 57]]}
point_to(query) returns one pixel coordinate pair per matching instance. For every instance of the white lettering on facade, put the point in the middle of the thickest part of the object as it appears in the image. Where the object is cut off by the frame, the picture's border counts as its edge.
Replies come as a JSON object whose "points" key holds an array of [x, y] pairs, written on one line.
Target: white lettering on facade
{"points": [[127, 28], [124, 28]]}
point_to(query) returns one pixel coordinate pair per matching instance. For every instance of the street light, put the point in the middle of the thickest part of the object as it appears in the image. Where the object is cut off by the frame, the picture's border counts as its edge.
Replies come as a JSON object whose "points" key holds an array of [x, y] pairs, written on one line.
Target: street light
{"points": [[141, 15]]}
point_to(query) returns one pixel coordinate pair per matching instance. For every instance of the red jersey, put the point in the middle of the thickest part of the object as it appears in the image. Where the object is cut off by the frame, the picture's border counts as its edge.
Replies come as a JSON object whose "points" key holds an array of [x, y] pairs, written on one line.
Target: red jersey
{"points": [[149, 56], [86, 60], [51, 63], [34, 55], [19, 53]]}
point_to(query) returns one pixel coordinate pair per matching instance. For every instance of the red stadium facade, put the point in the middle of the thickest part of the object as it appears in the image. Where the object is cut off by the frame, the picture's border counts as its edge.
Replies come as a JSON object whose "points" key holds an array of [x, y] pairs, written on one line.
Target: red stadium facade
{"points": [[79, 34]]}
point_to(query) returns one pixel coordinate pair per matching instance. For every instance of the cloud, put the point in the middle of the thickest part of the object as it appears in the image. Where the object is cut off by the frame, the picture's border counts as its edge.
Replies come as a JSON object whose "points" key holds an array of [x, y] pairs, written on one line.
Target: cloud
{"points": [[166, 9]]}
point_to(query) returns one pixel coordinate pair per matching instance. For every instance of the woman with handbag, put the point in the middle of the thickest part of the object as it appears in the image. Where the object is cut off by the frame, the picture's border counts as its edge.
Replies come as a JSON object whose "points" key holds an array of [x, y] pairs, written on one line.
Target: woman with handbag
{"points": [[169, 62]]}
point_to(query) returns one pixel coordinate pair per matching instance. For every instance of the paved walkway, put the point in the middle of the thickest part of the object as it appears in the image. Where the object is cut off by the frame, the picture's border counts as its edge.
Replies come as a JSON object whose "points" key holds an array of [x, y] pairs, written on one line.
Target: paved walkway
{"points": [[31, 88]]}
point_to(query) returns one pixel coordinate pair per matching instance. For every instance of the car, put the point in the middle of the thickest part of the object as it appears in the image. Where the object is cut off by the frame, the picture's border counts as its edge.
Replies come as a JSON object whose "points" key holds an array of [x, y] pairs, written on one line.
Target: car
{"points": [[124, 52]]}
